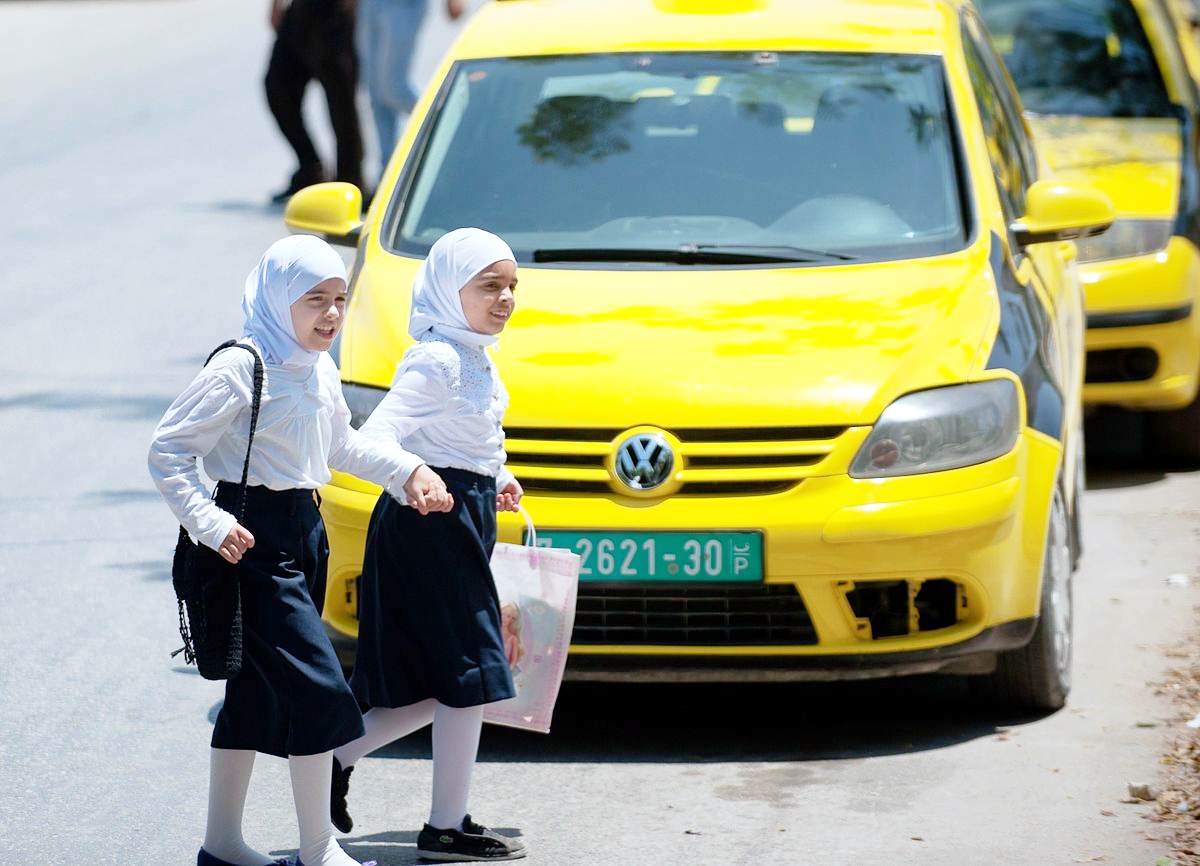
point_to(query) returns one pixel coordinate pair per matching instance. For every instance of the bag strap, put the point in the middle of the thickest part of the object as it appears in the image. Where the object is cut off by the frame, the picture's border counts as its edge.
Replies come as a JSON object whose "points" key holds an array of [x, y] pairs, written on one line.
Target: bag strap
{"points": [[531, 534], [254, 407]]}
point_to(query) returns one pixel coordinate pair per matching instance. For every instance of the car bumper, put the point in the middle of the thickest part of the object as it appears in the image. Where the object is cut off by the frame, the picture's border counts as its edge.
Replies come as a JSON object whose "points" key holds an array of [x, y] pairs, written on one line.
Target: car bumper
{"points": [[1143, 333], [874, 577], [975, 655]]}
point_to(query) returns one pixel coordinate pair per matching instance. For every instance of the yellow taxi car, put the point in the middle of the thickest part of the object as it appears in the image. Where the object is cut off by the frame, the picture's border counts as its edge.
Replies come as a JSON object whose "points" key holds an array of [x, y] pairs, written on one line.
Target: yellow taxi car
{"points": [[1110, 89], [797, 359]]}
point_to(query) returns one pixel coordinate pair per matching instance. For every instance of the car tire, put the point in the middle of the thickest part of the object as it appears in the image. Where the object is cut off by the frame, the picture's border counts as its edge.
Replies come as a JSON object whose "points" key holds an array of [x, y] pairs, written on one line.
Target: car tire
{"points": [[1038, 675], [1076, 504]]}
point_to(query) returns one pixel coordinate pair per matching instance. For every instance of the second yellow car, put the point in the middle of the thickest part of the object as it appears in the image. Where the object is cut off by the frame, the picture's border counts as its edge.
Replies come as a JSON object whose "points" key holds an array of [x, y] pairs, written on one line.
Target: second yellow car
{"points": [[1110, 90]]}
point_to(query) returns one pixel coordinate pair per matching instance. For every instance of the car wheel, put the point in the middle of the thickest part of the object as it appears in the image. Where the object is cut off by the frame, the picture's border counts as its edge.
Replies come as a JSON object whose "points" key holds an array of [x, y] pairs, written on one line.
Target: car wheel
{"points": [[1076, 506], [1038, 675], [1175, 435]]}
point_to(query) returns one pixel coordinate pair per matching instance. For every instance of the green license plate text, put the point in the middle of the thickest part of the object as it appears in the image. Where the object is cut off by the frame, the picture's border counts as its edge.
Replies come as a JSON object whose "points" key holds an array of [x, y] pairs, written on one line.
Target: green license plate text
{"points": [[665, 556]]}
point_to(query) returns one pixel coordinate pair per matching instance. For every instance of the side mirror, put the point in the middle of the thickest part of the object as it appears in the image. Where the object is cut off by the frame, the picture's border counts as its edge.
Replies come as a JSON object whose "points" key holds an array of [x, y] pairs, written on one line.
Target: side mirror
{"points": [[1058, 212], [332, 209]]}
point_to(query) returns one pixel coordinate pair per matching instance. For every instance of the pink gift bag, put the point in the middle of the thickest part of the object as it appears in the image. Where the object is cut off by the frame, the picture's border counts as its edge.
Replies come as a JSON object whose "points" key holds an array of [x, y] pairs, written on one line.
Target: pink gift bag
{"points": [[537, 587]]}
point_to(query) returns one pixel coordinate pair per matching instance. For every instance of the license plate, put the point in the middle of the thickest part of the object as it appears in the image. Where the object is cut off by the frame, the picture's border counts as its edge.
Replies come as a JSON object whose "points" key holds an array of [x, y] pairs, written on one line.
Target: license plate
{"points": [[665, 556]]}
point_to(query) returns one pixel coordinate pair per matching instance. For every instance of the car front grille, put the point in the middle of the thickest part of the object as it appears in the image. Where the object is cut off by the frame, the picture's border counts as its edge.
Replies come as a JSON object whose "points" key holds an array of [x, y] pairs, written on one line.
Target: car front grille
{"points": [[714, 461], [691, 615]]}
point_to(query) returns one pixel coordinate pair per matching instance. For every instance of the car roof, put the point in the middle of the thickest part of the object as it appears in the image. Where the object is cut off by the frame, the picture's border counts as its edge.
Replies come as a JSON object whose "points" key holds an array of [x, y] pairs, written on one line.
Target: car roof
{"points": [[549, 27]]}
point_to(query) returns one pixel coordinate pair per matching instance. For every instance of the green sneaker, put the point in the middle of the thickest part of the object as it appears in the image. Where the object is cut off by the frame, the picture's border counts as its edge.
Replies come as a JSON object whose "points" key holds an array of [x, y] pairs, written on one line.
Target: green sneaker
{"points": [[472, 842]]}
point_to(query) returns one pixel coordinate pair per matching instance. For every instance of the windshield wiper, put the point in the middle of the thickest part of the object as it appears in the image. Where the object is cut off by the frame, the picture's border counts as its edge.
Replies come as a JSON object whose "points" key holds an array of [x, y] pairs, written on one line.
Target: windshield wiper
{"points": [[692, 254]]}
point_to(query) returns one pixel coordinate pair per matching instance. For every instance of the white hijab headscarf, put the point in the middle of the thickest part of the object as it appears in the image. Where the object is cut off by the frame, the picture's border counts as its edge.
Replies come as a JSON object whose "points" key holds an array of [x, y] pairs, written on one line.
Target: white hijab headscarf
{"points": [[453, 260], [288, 270]]}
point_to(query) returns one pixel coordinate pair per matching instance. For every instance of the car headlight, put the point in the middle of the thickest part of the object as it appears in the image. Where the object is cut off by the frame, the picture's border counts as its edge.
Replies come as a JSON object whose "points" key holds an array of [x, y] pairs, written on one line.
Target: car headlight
{"points": [[1125, 239], [362, 400], [944, 428]]}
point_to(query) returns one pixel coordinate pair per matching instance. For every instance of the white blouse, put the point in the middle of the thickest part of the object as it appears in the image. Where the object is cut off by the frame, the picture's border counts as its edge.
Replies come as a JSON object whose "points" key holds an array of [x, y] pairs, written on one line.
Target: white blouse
{"points": [[303, 430], [446, 404]]}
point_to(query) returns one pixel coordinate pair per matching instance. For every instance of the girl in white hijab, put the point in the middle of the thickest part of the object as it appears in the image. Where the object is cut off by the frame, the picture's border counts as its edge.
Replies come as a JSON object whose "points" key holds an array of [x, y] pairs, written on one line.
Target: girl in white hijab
{"points": [[430, 649], [290, 698]]}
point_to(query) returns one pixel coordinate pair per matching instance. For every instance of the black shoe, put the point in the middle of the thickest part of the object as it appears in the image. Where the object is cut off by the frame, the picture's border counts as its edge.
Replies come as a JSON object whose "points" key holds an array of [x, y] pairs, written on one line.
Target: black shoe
{"points": [[304, 176], [203, 858], [338, 789], [472, 842]]}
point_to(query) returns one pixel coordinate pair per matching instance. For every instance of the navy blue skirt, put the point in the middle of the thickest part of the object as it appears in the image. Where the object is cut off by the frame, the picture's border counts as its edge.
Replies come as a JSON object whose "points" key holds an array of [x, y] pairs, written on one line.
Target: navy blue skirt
{"points": [[429, 618], [290, 697]]}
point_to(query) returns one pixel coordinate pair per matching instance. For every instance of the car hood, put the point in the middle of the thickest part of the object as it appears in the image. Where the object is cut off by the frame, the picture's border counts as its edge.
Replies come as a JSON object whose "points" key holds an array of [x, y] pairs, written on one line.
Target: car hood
{"points": [[710, 347], [1134, 160]]}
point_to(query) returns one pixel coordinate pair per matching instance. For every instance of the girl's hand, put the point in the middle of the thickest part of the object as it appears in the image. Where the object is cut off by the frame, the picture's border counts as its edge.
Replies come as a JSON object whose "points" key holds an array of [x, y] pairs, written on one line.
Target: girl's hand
{"points": [[426, 491], [509, 499], [236, 543], [277, 10]]}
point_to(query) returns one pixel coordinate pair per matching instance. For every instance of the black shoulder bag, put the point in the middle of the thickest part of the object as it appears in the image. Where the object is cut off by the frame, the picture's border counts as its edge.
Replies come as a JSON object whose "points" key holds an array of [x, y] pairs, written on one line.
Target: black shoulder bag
{"points": [[207, 588]]}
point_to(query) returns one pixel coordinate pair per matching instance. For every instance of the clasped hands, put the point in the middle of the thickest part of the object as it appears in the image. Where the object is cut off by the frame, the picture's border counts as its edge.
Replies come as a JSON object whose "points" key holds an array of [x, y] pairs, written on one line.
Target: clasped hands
{"points": [[426, 492]]}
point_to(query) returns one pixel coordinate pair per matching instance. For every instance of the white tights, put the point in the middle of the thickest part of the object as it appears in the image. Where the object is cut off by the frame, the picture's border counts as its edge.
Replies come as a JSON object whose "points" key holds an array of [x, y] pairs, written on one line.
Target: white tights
{"points": [[229, 780], [311, 775], [456, 732]]}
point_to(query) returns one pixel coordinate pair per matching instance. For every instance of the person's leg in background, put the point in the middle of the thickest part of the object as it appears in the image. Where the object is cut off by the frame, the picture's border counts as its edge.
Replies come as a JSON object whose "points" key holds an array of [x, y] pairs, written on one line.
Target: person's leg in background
{"points": [[386, 38], [338, 73], [288, 75]]}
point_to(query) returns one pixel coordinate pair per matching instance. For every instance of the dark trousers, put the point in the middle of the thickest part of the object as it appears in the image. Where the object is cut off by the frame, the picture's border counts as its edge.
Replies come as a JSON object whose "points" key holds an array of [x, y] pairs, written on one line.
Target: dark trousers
{"points": [[315, 42]]}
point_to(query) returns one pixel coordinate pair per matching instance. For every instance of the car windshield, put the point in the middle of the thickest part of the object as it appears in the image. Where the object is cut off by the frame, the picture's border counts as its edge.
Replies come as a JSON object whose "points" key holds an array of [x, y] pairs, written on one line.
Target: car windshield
{"points": [[685, 159], [1082, 57]]}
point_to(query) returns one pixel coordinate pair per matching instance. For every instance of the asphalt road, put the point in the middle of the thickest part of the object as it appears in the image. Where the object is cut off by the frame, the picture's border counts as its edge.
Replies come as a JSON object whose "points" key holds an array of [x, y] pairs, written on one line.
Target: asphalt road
{"points": [[136, 163]]}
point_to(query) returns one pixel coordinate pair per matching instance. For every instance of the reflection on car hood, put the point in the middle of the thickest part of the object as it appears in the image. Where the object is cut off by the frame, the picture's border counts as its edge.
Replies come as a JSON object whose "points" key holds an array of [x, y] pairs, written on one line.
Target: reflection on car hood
{"points": [[1134, 160], [712, 347]]}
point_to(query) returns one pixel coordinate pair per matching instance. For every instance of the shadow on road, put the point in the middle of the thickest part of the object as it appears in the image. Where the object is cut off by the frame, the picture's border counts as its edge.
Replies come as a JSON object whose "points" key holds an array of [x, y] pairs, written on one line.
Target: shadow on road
{"points": [[674, 723], [1119, 453]]}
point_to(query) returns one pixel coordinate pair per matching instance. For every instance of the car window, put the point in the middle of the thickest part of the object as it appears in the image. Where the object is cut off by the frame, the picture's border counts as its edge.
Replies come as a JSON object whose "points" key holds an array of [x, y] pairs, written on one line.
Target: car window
{"points": [[1084, 57], [813, 157], [1008, 144]]}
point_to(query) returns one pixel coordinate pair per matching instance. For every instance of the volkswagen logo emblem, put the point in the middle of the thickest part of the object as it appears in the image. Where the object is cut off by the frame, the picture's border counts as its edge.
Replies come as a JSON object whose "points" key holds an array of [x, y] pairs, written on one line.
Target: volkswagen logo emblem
{"points": [[644, 461]]}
